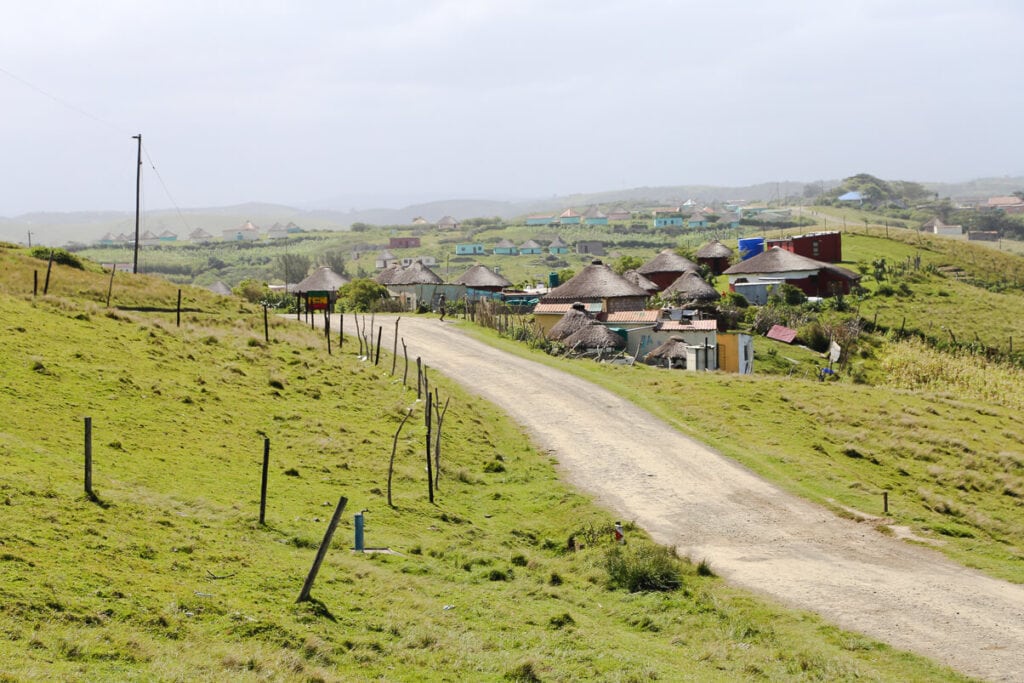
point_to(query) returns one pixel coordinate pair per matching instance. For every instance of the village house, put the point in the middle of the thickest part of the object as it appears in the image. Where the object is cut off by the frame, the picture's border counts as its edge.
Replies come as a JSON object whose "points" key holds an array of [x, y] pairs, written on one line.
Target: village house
{"points": [[541, 219], [666, 267], [482, 278], [277, 232], [247, 232], [619, 215], [821, 246], [776, 265], [425, 260], [385, 260], [937, 227], [570, 217], [591, 247], [167, 236], [403, 243], [323, 279], [200, 236], [505, 248], [598, 283], [469, 249], [557, 246], [593, 216], [448, 223], [420, 220], [716, 256], [1011, 204], [530, 247], [148, 239], [665, 217]]}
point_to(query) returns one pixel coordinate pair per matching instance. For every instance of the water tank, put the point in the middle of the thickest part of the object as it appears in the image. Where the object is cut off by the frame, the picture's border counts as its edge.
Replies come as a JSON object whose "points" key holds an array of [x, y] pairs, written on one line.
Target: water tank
{"points": [[750, 246], [552, 280]]}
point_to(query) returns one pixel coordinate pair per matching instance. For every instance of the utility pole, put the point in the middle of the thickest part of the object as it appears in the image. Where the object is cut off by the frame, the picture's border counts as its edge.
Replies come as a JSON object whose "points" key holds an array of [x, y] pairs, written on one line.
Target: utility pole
{"points": [[29, 239], [138, 187]]}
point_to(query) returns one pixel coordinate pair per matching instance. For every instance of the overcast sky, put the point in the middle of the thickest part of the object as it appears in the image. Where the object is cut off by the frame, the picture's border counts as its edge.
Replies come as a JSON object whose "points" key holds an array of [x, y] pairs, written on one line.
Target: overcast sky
{"points": [[378, 102]]}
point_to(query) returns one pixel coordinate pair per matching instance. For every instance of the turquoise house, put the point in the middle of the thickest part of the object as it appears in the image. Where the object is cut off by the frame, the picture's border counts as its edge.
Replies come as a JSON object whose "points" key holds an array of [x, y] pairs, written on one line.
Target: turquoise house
{"points": [[530, 247], [594, 217], [570, 217], [505, 248], [698, 220], [540, 219], [557, 246], [469, 249], [666, 220]]}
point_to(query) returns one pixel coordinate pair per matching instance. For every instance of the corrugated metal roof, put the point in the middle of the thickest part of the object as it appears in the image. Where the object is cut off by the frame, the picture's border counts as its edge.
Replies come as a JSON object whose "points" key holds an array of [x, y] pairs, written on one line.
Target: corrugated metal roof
{"points": [[681, 325], [633, 316], [561, 309], [782, 334]]}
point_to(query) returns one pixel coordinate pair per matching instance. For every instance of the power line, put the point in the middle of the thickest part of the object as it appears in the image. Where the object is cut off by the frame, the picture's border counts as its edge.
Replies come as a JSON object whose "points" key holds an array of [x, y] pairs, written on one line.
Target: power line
{"points": [[58, 100], [166, 191]]}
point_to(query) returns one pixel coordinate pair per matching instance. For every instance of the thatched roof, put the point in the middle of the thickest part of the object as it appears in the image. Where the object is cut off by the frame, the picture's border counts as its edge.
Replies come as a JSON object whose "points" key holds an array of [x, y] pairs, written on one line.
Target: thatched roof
{"points": [[323, 279], [594, 335], [416, 274], [690, 288], [219, 287], [482, 276], [714, 249], [574, 319], [667, 261], [640, 281], [595, 281], [672, 349], [385, 276], [778, 260]]}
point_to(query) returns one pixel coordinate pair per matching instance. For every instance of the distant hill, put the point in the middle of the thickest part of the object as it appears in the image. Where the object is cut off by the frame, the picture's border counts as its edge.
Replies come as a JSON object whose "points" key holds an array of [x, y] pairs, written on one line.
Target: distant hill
{"points": [[87, 226]]}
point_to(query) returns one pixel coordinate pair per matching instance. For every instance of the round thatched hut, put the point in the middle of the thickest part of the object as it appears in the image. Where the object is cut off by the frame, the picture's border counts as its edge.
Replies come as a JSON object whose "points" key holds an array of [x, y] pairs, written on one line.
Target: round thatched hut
{"points": [[594, 336], [574, 319], [416, 274], [641, 281], [670, 354], [599, 283], [483, 278], [715, 256], [690, 291], [666, 267]]}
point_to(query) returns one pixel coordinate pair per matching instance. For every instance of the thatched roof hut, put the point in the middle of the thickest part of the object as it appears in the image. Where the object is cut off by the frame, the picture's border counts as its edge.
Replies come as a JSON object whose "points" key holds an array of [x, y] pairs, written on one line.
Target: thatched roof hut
{"points": [[715, 256], [482, 277], [690, 289], [641, 281], [385, 276], [574, 319], [594, 336], [598, 282], [323, 279], [416, 274], [670, 353], [664, 268]]}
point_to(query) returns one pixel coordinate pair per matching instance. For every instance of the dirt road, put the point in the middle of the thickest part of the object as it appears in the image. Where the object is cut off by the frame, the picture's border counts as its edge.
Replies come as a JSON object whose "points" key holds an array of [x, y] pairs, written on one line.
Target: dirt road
{"points": [[753, 534]]}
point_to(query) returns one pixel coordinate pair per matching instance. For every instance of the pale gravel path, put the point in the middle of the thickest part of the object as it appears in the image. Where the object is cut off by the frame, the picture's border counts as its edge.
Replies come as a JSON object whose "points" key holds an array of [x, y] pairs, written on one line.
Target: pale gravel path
{"points": [[753, 534]]}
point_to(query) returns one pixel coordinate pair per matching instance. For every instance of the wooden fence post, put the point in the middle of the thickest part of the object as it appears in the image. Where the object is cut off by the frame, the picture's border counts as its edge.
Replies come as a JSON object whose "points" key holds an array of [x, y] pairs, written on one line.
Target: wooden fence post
{"points": [[49, 267], [405, 352], [394, 449], [341, 331], [327, 329], [266, 325], [263, 484], [177, 321], [35, 282], [430, 472], [394, 350], [321, 552], [110, 285], [88, 458], [376, 357], [419, 379]]}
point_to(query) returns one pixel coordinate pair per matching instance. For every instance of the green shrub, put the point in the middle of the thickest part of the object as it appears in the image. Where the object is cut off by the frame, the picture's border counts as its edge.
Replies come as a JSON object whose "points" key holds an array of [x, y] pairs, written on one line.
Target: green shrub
{"points": [[643, 568], [813, 336], [61, 256]]}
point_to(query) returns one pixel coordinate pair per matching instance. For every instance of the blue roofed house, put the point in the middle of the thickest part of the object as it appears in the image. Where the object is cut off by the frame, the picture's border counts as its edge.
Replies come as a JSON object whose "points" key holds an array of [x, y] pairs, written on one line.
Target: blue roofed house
{"points": [[594, 217], [469, 249], [557, 246], [530, 247], [505, 248]]}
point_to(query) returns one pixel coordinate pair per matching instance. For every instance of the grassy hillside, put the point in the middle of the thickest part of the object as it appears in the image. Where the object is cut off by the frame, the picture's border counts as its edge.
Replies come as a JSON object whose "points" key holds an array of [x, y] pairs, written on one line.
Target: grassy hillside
{"points": [[168, 575]]}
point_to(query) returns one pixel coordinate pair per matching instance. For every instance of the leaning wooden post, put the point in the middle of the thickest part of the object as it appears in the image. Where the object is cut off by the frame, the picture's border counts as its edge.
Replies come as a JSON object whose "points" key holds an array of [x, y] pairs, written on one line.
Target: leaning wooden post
{"points": [[405, 352], [321, 552], [437, 439], [177, 321], [430, 472], [394, 351], [376, 357], [394, 449], [110, 285], [263, 483], [359, 335], [88, 458], [327, 329], [419, 379], [49, 267]]}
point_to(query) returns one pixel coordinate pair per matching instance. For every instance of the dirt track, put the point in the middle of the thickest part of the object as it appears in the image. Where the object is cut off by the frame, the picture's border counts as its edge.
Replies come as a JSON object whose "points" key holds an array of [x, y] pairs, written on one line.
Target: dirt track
{"points": [[753, 534]]}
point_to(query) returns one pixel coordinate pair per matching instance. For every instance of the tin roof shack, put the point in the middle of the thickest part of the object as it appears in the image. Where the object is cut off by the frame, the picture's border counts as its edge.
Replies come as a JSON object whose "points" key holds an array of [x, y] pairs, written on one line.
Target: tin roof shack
{"points": [[642, 339], [812, 277], [685, 345], [821, 246], [736, 353]]}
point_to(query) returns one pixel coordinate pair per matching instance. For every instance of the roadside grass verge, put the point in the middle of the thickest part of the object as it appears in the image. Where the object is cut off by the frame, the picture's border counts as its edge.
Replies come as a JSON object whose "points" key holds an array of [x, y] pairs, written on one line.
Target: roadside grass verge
{"points": [[172, 578]]}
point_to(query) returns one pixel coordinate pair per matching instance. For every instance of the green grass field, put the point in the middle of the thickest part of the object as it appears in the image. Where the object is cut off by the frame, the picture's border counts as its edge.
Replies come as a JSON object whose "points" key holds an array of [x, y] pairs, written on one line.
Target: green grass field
{"points": [[169, 576]]}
